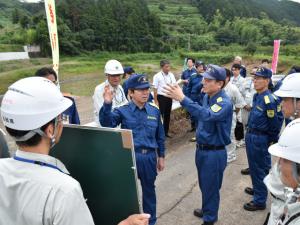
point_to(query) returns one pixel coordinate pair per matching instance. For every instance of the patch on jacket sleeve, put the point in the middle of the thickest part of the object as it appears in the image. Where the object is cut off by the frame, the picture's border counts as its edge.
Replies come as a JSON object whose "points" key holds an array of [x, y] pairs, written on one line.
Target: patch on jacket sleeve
{"points": [[267, 99], [216, 108], [270, 113], [220, 99]]}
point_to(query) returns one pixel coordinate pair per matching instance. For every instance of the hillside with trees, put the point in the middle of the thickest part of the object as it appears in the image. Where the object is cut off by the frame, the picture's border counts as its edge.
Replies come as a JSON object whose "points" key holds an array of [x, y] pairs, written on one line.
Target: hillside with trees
{"points": [[151, 25]]}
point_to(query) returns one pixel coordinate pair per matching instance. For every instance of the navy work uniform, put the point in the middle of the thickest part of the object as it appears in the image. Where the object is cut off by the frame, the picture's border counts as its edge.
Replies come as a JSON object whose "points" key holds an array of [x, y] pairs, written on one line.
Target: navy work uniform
{"points": [[148, 138], [213, 134], [193, 91], [186, 76], [71, 112], [264, 125]]}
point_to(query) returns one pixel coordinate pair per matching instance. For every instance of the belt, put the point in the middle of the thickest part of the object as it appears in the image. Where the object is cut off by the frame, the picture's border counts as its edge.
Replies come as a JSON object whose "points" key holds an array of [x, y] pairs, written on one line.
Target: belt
{"points": [[255, 131], [279, 199], [210, 147], [145, 150]]}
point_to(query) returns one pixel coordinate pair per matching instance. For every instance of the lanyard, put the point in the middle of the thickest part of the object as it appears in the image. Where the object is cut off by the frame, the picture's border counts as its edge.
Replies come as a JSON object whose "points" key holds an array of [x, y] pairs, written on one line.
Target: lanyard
{"points": [[165, 76], [117, 96], [37, 163]]}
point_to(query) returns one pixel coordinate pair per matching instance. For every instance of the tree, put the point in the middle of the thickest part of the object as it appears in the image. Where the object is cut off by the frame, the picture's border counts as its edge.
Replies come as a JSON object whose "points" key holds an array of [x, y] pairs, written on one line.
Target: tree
{"points": [[24, 21], [251, 48], [15, 16], [42, 38], [162, 6]]}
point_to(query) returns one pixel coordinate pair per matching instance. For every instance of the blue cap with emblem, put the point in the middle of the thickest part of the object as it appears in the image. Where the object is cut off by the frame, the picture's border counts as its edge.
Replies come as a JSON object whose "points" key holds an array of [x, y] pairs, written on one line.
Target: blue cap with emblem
{"points": [[263, 72], [138, 81], [214, 72]]}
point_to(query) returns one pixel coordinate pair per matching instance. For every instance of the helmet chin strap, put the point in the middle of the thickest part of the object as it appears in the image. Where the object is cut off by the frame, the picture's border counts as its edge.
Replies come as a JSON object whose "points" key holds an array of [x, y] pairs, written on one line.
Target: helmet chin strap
{"points": [[38, 131], [296, 110], [53, 139]]}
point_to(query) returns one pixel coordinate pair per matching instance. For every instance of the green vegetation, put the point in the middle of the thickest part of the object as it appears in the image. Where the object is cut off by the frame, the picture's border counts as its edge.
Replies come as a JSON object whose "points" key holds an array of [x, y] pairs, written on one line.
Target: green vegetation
{"points": [[80, 75], [151, 25], [142, 32]]}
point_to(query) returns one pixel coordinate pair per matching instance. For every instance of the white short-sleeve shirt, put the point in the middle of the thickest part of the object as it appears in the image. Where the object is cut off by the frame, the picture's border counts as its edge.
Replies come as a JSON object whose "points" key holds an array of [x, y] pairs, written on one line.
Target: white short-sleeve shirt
{"points": [[161, 79], [32, 194], [118, 99]]}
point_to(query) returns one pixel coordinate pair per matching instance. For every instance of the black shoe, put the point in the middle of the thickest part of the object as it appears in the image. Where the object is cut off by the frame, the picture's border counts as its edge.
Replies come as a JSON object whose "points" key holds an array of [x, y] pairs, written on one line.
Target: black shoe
{"points": [[245, 171], [198, 213], [249, 191], [208, 223], [250, 206], [168, 136]]}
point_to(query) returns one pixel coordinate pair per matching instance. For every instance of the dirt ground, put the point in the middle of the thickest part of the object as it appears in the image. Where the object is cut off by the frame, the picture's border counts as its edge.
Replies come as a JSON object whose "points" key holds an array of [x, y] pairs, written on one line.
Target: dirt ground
{"points": [[177, 186]]}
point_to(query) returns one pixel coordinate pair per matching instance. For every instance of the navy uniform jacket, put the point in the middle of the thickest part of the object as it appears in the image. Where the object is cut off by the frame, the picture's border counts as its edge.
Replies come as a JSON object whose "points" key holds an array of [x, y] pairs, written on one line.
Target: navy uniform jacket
{"points": [[4, 152], [145, 123], [125, 88], [72, 112], [243, 71], [266, 115], [186, 76], [214, 118], [194, 87]]}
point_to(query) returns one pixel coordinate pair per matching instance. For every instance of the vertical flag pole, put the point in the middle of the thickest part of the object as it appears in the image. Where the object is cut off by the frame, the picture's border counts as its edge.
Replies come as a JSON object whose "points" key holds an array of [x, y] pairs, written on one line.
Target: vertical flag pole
{"points": [[275, 56], [52, 27]]}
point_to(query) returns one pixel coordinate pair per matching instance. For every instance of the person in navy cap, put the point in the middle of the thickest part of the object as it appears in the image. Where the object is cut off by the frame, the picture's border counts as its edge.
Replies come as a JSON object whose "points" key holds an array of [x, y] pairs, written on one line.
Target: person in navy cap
{"points": [[128, 71], [194, 90], [144, 119], [186, 74], [264, 125], [214, 120]]}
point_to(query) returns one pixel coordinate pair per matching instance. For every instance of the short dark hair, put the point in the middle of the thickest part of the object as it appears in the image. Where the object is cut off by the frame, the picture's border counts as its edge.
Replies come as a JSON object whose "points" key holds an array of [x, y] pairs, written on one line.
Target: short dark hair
{"points": [[265, 60], [228, 72], [236, 66], [294, 69], [223, 85], [164, 62], [35, 140], [190, 58], [46, 71]]}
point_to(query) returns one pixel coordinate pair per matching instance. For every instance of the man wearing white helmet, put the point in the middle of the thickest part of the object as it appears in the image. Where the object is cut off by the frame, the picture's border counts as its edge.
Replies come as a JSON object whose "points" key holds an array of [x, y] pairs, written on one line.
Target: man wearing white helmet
{"points": [[113, 71], [290, 94], [284, 180], [35, 187], [281, 175]]}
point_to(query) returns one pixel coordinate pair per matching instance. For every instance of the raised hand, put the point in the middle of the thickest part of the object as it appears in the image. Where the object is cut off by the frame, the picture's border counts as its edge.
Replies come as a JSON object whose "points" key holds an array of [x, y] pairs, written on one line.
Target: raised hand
{"points": [[174, 92], [108, 94]]}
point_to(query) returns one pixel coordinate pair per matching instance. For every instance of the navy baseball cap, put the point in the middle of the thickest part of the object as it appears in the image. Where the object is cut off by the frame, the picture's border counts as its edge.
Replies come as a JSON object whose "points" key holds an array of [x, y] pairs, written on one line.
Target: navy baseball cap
{"points": [[138, 81], [128, 69], [263, 72], [214, 72]]}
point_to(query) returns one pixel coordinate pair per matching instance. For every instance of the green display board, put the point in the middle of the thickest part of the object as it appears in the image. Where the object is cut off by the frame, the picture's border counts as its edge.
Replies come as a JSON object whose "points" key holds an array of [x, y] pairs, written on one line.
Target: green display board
{"points": [[103, 162]]}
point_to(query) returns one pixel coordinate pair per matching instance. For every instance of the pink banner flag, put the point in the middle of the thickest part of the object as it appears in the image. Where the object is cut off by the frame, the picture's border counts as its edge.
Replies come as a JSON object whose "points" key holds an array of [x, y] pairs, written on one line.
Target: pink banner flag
{"points": [[275, 56]]}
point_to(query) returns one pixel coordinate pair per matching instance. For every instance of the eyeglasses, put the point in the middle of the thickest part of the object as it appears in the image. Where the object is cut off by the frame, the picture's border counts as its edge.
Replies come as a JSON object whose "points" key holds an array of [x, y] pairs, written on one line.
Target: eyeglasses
{"points": [[62, 118]]}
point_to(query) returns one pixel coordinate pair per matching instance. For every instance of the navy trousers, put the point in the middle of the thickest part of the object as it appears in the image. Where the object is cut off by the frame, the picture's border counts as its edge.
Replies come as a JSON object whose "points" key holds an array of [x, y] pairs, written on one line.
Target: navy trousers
{"points": [[210, 166], [259, 161], [147, 172]]}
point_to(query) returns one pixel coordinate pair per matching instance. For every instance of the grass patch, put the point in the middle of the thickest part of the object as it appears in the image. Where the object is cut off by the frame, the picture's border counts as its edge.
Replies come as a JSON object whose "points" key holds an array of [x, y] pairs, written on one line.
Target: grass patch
{"points": [[80, 75]]}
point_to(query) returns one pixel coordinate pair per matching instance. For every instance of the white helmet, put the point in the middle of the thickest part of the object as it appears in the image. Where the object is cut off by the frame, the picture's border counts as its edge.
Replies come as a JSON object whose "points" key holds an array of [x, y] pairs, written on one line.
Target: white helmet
{"points": [[31, 103], [290, 86], [288, 146], [113, 67]]}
